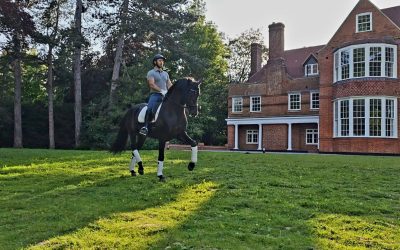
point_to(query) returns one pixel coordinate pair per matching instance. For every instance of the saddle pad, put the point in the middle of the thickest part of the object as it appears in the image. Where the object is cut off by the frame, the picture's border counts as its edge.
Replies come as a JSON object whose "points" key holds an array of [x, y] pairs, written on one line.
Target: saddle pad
{"points": [[142, 114]]}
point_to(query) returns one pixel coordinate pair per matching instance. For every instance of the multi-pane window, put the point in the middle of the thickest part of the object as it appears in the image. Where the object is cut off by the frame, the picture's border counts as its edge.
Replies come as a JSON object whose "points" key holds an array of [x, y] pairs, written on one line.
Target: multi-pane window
{"points": [[344, 118], [375, 117], [375, 61], [255, 103], [366, 117], [311, 69], [359, 62], [390, 118], [314, 100], [252, 136], [237, 104], [311, 136], [359, 117], [364, 22], [389, 62], [365, 60], [294, 101], [345, 64]]}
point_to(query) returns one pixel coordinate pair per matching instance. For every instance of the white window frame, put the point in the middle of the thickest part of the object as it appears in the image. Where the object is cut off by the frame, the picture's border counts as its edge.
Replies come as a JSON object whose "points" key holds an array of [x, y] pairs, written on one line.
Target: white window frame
{"points": [[252, 104], [337, 120], [312, 101], [370, 20], [314, 136], [312, 66], [292, 94], [254, 136], [234, 104], [337, 66]]}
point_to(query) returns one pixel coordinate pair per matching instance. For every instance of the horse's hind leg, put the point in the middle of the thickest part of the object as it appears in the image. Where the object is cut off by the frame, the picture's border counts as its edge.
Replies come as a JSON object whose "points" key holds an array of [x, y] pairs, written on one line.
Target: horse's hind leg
{"points": [[160, 165], [140, 141], [134, 159]]}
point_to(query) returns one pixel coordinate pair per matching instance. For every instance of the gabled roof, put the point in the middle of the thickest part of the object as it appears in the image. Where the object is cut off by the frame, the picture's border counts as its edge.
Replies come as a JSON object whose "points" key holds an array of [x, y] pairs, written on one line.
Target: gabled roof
{"points": [[393, 13], [295, 58]]}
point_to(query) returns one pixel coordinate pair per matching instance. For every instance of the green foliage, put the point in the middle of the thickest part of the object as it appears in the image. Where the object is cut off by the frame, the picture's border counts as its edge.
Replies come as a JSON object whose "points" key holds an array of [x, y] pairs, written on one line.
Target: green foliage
{"points": [[88, 200], [240, 56]]}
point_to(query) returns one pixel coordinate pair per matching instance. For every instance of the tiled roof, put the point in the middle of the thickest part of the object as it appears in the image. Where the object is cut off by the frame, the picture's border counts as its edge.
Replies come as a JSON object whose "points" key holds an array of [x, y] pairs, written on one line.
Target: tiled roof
{"points": [[393, 13], [295, 58]]}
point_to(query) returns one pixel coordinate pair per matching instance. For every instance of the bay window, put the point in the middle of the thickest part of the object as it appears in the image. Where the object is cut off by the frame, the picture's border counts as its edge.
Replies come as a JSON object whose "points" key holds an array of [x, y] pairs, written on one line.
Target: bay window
{"points": [[365, 117], [365, 60]]}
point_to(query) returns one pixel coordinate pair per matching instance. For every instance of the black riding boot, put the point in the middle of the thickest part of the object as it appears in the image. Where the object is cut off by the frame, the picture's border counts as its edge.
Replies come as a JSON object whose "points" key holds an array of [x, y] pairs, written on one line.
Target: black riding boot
{"points": [[144, 130]]}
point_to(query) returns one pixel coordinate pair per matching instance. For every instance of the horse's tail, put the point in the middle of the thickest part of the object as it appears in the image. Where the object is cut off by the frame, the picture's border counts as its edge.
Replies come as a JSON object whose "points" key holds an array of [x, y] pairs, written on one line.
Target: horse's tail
{"points": [[122, 137]]}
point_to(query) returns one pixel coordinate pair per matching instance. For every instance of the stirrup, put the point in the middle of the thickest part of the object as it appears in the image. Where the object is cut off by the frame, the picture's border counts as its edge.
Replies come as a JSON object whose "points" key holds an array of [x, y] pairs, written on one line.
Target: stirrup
{"points": [[143, 131]]}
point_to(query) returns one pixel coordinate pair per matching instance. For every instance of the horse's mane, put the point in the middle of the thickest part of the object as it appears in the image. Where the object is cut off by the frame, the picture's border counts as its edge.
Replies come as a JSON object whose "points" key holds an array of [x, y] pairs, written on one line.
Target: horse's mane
{"points": [[177, 84]]}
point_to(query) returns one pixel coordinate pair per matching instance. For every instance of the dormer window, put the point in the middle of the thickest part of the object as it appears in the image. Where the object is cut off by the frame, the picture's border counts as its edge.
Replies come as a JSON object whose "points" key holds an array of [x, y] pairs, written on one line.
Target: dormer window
{"points": [[311, 66], [311, 69], [364, 22]]}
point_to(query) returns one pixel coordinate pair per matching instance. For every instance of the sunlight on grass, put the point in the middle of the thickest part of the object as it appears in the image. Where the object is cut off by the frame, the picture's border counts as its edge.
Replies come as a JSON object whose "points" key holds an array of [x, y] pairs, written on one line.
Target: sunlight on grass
{"points": [[335, 231], [139, 229]]}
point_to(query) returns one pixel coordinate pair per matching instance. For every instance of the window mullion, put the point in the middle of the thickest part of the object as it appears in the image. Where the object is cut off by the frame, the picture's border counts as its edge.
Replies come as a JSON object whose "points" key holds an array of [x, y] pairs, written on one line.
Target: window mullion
{"points": [[383, 117], [339, 119], [383, 61], [367, 58], [395, 112], [339, 66], [351, 118], [395, 61], [367, 100], [351, 63]]}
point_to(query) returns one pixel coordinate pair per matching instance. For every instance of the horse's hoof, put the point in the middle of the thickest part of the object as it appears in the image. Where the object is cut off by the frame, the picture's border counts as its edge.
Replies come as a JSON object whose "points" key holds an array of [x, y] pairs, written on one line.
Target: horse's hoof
{"points": [[162, 178], [191, 166], [133, 173], [141, 171]]}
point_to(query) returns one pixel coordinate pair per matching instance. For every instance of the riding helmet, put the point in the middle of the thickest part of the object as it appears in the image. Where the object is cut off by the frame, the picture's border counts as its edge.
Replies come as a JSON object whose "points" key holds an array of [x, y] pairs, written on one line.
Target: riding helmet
{"points": [[159, 56]]}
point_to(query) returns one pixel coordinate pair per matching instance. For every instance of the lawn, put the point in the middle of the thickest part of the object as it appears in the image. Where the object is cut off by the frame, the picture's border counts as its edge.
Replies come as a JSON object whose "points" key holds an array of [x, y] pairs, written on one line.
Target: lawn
{"points": [[87, 199]]}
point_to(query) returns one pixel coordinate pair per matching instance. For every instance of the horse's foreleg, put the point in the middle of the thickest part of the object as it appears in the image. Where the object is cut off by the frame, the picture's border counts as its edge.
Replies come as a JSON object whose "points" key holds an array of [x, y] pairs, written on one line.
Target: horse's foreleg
{"points": [[160, 165], [132, 165], [185, 138]]}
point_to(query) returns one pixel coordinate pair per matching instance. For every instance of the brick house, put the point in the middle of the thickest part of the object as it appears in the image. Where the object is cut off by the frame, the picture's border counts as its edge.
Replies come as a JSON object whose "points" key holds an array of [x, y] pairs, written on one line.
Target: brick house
{"points": [[338, 97]]}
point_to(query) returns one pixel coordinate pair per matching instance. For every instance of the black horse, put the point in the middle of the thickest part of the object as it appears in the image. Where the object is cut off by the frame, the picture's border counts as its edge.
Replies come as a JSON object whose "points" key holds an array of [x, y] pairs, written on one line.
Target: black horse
{"points": [[171, 123]]}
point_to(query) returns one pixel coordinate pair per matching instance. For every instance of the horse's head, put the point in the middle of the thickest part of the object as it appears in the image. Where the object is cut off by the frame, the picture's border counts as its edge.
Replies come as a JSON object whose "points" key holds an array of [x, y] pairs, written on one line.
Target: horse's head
{"points": [[192, 94]]}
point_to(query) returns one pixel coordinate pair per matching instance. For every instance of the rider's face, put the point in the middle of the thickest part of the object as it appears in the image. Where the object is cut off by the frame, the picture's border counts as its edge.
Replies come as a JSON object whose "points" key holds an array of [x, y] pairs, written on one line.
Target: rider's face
{"points": [[160, 63]]}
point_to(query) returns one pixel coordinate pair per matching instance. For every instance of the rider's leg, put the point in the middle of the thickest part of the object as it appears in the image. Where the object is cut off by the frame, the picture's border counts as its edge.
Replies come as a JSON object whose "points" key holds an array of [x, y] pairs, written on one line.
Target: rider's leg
{"points": [[153, 100]]}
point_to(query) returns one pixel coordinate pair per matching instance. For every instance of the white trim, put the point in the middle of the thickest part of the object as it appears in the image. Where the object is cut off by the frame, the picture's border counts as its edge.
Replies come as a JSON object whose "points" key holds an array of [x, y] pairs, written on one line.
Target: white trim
{"points": [[273, 120], [260, 134], [367, 117], [251, 104], [370, 20], [289, 137], [236, 136], [366, 47], [294, 93], [233, 104]]}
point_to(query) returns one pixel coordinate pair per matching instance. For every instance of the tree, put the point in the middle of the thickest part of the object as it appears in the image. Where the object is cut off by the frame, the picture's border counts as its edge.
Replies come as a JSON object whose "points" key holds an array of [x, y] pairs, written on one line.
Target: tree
{"points": [[16, 25], [77, 70], [239, 60]]}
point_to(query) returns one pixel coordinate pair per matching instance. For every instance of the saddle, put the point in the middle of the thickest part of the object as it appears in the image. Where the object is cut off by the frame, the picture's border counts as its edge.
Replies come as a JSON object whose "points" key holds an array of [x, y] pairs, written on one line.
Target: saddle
{"points": [[142, 114]]}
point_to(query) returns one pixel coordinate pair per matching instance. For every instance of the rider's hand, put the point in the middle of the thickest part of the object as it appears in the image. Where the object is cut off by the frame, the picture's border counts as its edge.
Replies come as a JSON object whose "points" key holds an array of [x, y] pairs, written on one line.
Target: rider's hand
{"points": [[163, 92]]}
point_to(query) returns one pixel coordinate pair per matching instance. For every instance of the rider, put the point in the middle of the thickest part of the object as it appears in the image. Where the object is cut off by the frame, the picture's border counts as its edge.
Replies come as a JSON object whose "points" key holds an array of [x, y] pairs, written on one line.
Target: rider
{"points": [[159, 83]]}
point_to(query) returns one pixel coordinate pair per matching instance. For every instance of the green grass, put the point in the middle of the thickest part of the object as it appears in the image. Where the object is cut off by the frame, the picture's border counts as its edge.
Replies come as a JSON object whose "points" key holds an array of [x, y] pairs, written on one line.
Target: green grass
{"points": [[88, 200]]}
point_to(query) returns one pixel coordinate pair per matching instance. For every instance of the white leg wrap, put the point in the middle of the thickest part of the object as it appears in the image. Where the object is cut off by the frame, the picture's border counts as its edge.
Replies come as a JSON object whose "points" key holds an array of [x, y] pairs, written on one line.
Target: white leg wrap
{"points": [[194, 154], [137, 155], [133, 163], [160, 167]]}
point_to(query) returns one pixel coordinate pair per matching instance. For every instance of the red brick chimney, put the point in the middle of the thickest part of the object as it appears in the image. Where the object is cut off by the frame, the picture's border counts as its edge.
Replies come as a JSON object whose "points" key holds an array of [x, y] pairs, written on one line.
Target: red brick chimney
{"points": [[256, 58], [276, 40]]}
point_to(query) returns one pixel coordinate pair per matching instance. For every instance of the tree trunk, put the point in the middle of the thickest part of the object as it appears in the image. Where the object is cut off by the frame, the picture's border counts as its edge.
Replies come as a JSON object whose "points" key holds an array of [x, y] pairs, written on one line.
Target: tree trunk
{"points": [[17, 103], [118, 53], [50, 96], [77, 72]]}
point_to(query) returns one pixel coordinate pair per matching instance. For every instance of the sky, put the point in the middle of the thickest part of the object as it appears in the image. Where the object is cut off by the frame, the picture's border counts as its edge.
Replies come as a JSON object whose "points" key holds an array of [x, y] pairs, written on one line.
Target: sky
{"points": [[307, 22]]}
